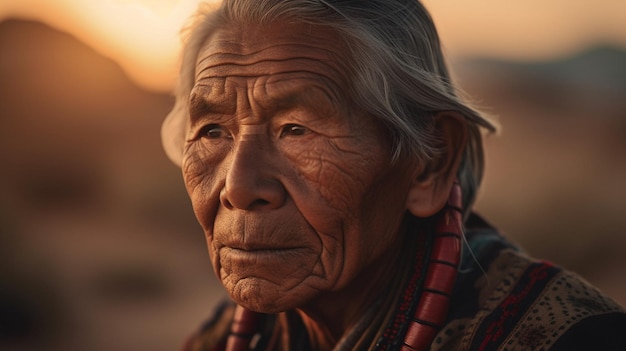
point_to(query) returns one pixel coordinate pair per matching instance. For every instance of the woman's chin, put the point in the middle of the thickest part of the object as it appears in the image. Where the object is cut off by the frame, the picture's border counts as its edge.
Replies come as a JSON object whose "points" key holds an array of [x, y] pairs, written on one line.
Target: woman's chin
{"points": [[261, 295]]}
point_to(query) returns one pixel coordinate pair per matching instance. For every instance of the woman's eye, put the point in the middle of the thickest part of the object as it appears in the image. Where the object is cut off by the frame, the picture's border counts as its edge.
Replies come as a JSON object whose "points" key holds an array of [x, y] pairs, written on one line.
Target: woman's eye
{"points": [[293, 130], [214, 131]]}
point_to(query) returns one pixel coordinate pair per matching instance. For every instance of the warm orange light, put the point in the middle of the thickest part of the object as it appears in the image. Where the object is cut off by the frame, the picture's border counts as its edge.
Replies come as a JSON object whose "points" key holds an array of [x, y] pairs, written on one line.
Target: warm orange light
{"points": [[143, 35], [527, 29]]}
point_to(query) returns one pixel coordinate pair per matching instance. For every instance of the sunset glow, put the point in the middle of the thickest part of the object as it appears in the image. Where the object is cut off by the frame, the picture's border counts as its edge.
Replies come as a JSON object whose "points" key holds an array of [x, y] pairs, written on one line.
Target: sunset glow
{"points": [[143, 35]]}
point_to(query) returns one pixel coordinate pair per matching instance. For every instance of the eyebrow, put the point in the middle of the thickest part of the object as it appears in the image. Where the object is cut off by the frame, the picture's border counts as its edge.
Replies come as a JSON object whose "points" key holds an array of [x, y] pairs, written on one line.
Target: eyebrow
{"points": [[201, 103], [288, 97], [198, 106], [204, 100]]}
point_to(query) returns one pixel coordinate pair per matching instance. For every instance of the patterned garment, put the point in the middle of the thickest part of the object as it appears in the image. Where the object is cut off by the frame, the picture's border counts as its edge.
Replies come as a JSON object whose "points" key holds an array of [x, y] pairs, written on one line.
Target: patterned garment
{"points": [[502, 300], [516, 303]]}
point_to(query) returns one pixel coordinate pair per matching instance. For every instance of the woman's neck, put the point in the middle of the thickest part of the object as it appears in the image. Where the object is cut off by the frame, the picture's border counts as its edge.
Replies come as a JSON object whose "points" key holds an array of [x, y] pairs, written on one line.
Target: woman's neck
{"points": [[373, 293]]}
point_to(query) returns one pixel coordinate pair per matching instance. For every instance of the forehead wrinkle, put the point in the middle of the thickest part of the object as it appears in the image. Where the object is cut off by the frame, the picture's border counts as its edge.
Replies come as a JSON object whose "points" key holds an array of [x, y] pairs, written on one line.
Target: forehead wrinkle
{"points": [[241, 53], [300, 93], [222, 68], [288, 88], [210, 98], [296, 51], [262, 94]]}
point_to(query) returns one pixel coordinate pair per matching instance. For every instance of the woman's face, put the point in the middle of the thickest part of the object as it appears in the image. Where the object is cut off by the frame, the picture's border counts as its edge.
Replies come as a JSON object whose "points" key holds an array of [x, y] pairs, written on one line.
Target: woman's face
{"points": [[292, 184]]}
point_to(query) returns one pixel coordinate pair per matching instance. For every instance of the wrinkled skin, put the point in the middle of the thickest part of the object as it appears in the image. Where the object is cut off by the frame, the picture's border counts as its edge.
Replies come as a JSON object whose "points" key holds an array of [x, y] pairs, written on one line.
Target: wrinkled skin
{"points": [[292, 184]]}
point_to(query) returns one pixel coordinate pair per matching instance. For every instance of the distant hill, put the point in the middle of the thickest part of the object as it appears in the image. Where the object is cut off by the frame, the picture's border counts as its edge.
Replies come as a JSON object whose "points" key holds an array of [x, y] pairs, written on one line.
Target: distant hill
{"points": [[592, 80], [93, 217], [74, 129], [602, 68]]}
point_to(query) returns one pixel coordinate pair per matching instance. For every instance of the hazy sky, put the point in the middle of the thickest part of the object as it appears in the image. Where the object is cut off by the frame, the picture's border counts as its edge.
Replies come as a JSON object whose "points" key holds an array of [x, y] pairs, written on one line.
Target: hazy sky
{"points": [[142, 35]]}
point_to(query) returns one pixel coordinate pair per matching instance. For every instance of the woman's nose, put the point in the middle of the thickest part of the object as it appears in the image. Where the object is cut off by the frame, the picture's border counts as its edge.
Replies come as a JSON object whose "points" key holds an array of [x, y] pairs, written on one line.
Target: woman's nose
{"points": [[251, 180]]}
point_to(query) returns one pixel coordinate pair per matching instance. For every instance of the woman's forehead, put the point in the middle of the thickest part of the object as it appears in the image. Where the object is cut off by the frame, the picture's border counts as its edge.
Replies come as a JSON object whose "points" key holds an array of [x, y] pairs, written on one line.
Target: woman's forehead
{"points": [[247, 48]]}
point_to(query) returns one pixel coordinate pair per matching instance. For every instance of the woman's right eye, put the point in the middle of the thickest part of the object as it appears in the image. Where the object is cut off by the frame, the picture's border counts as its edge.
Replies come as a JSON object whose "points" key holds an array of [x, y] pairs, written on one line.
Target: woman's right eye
{"points": [[214, 131]]}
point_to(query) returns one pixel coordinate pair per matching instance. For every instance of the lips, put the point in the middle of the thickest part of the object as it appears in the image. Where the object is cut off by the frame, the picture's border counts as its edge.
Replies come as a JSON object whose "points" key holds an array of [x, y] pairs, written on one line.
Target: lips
{"points": [[264, 242], [258, 251], [254, 232], [268, 261], [259, 242], [256, 247], [260, 245]]}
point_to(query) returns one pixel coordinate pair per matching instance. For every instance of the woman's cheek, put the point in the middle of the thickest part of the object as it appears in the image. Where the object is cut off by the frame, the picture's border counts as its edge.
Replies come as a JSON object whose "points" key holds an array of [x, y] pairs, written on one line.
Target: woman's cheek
{"points": [[201, 181], [336, 174], [199, 166]]}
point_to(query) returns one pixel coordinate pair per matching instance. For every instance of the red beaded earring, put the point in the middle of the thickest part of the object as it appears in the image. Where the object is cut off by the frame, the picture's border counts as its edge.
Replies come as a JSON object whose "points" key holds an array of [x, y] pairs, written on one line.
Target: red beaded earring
{"points": [[432, 308]]}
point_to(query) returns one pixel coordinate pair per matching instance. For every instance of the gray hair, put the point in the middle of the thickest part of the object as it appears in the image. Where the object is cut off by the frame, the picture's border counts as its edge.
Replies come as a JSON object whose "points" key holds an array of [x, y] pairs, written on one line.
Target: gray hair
{"points": [[400, 75]]}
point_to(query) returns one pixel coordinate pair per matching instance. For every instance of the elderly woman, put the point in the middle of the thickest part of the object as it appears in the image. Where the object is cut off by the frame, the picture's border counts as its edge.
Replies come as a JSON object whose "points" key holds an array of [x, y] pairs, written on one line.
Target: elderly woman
{"points": [[333, 167]]}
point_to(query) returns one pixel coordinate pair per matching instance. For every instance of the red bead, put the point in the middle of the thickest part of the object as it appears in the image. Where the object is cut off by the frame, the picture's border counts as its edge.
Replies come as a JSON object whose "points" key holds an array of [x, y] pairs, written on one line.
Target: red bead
{"points": [[455, 199], [419, 336], [440, 277], [450, 222], [243, 327], [245, 322], [446, 249], [432, 308]]}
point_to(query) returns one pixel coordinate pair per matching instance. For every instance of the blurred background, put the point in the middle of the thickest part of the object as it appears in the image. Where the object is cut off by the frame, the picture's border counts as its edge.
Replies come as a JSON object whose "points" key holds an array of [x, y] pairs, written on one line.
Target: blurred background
{"points": [[99, 249]]}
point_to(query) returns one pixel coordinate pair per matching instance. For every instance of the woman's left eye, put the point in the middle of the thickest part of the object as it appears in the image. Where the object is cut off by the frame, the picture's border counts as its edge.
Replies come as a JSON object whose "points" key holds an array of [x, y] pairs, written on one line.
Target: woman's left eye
{"points": [[293, 130]]}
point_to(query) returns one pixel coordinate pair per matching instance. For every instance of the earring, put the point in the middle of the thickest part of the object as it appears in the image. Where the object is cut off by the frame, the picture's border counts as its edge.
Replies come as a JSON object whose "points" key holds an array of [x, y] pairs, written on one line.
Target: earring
{"points": [[432, 309]]}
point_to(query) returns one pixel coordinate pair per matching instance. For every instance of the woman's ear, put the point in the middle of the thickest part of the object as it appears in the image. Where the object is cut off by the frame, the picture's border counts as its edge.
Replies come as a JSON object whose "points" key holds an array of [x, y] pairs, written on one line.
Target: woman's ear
{"points": [[432, 182]]}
